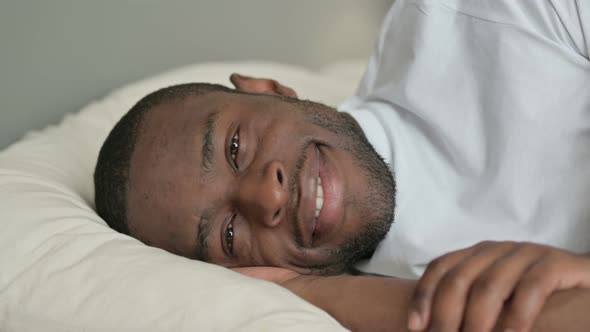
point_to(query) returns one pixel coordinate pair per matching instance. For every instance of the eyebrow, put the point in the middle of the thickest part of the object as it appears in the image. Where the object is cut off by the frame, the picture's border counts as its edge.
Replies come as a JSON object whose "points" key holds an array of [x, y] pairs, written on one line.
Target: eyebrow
{"points": [[208, 148], [207, 152], [203, 230]]}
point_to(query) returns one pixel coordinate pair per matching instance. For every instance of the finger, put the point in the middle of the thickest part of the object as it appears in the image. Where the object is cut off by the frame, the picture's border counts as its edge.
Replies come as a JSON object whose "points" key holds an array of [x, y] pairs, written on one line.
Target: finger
{"points": [[495, 285], [530, 294], [450, 298], [286, 91], [234, 77], [419, 313], [261, 85]]}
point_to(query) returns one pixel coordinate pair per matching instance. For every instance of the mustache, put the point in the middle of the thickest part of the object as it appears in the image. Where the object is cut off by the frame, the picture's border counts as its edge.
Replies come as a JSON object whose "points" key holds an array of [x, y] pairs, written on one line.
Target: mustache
{"points": [[293, 189]]}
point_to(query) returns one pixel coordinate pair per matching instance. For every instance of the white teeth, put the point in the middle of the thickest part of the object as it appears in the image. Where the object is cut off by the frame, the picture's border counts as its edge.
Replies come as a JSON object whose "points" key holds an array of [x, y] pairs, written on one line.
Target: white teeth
{"points": [[319, 201], [319, 204]]}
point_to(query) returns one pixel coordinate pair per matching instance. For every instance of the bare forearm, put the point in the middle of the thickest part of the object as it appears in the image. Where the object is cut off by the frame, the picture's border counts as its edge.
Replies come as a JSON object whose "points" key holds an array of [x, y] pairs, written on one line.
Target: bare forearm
{"points": [[359, 303], [565, 311], [381, 303]]}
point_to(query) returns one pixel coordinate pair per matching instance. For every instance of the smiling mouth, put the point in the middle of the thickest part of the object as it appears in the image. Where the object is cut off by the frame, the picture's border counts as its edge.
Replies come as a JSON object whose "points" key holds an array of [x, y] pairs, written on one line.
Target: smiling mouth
{"points": [[309, 204], [319, 206], [318, 200]]}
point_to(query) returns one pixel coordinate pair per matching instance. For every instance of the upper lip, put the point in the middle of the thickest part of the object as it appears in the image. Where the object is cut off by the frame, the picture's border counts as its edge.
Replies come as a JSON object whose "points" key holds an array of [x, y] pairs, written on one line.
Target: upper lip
{"points": [[307, 195]]}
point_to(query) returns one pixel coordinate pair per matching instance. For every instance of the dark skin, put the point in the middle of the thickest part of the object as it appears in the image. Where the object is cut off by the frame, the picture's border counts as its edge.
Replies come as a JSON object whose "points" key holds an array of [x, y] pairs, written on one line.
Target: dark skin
{"points": [[382, 304], [233, 179], [491, 286]]}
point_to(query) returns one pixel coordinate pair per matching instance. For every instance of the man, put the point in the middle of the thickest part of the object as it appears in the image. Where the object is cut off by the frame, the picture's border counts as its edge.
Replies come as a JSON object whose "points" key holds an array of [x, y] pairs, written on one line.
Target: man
{"points": [[481, 110]]}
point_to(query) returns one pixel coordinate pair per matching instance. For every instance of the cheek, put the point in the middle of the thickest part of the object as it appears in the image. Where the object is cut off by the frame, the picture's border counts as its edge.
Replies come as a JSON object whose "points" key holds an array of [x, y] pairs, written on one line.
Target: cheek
{"points": [[283, 141], [268, 247]]}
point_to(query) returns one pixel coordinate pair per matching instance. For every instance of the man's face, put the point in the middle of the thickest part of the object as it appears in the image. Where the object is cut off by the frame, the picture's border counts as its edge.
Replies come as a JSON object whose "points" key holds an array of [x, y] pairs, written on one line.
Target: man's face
{"points": [[255, 180]]}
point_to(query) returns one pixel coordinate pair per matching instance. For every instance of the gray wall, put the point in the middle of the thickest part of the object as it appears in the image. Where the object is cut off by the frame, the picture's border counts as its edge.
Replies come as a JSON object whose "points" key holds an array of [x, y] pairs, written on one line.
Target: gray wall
{"points": [[55, 56]]}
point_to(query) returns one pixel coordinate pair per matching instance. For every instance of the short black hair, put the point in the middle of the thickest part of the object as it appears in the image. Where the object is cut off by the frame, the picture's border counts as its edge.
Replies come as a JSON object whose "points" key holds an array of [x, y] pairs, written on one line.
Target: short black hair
{"points": [[111, 175]]}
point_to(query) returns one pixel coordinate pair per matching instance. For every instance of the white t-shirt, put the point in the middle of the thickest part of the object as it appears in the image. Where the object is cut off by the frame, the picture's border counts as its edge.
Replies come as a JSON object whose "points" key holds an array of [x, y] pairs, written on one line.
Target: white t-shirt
{"points": [[482, 109]]}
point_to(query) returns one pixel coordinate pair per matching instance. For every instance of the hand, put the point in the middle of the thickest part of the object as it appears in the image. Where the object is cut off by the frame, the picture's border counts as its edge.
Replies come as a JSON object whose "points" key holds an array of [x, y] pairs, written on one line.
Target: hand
{"points": [[261, 85], [469, 288]]}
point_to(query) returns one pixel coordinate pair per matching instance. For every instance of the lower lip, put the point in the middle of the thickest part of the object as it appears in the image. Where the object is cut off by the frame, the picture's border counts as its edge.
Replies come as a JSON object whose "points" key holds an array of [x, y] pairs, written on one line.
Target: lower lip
{"points": [[332, 210]]}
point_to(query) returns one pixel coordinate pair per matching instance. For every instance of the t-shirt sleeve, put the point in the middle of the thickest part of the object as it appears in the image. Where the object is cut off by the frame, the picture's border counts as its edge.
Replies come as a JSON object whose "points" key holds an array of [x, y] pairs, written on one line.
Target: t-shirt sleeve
{"points": [[574, 15], [367, 82], [563, 22]]}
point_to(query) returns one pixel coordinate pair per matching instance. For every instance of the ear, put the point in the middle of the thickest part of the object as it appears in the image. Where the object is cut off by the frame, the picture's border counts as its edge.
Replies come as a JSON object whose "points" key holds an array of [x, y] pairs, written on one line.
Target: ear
{"points": [[261, 85], [273, 274]]}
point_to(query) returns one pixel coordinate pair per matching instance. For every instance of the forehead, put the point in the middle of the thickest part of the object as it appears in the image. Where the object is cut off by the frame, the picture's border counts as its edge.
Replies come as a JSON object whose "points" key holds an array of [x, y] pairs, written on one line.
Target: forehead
{"points": [[173, 131], [164, 174], [165, 189]]}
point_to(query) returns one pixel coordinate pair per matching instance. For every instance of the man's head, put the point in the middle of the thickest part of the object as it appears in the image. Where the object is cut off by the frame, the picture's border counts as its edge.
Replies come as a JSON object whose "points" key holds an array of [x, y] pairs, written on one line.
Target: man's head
{"points": [[245, 177]]}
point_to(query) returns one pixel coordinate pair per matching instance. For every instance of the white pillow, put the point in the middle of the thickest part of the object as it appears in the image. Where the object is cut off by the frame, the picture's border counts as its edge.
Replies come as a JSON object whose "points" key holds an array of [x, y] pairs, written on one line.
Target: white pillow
{"points": [[63, 269]]}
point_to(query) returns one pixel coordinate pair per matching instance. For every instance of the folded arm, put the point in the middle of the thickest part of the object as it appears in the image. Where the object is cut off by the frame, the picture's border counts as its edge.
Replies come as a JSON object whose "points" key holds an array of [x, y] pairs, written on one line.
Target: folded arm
{"points": [[368, 303], [360, 303]]}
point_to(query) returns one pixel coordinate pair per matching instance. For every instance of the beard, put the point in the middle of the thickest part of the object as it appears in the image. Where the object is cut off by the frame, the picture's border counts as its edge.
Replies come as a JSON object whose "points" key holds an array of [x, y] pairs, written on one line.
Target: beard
{"points": [[378, 205]]}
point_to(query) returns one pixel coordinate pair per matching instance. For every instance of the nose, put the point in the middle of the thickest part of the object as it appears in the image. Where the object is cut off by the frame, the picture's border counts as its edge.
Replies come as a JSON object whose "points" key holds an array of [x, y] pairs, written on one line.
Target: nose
{"points": [[263, 194]]}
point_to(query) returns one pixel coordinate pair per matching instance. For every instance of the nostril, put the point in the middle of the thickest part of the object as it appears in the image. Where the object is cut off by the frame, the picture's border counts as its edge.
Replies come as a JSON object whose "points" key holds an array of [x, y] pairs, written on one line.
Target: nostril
{"points": [[276, 214], [280, 176]]}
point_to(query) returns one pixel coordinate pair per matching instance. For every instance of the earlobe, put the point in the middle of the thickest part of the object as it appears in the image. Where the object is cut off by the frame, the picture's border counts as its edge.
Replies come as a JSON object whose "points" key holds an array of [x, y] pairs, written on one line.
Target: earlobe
{"points": [[261, 85]]}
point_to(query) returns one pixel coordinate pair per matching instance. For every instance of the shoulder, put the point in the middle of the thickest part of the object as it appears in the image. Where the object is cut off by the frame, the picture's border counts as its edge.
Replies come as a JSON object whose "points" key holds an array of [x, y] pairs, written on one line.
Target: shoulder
{"points": [[563, 22]]}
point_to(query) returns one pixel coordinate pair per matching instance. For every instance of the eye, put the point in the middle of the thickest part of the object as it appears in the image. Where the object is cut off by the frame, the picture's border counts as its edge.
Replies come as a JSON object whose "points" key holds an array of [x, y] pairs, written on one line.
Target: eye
{"points": [[234, 148], [229, 236]]}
